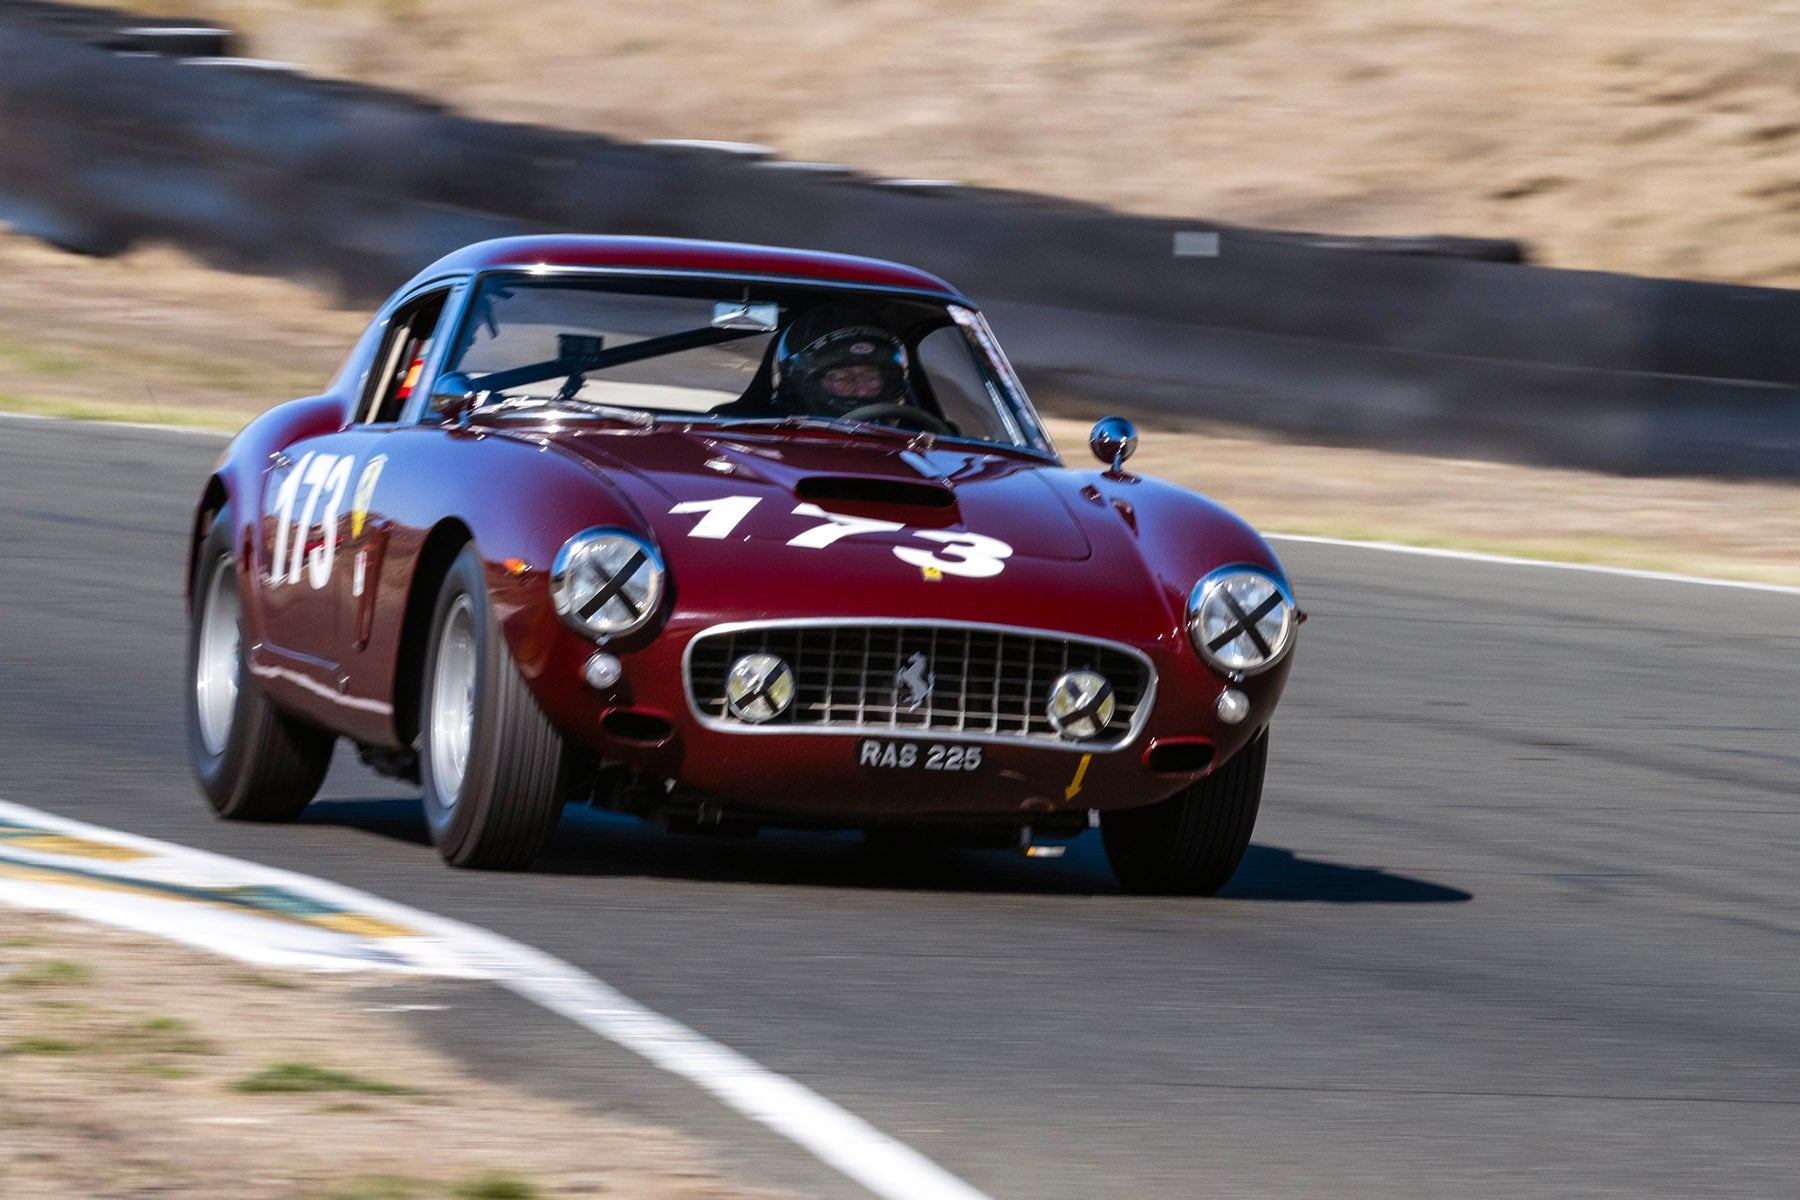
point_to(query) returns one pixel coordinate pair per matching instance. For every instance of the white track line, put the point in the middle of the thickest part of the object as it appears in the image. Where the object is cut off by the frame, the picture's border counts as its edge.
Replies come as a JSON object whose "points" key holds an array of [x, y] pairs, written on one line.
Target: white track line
{"points": [[437, 945], [1507, 560]]}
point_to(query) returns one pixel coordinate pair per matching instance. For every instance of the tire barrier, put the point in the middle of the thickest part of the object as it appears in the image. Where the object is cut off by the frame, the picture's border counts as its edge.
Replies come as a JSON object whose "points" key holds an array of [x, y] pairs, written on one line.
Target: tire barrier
{"points": [[1443, 345]]}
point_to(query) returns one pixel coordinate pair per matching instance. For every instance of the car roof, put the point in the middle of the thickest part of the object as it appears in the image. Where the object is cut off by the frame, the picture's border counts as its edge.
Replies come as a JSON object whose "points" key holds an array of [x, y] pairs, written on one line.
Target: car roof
{"points": [[684, 255]]}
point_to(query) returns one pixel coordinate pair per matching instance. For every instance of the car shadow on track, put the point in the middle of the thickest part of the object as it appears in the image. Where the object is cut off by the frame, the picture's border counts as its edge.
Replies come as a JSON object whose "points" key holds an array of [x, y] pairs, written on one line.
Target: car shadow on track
{"points": [[604, 844]]}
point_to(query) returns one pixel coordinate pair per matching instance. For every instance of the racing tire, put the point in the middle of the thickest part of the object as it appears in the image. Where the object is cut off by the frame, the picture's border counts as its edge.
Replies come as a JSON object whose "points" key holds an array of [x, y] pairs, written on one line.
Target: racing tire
{"points": [[1191, 843], [253, 761], [494, 770]]}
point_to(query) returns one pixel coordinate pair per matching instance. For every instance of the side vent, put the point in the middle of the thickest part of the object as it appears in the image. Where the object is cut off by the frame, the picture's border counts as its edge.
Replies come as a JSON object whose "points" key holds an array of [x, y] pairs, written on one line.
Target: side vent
{"points": [[629, 725], [1179, 756]]}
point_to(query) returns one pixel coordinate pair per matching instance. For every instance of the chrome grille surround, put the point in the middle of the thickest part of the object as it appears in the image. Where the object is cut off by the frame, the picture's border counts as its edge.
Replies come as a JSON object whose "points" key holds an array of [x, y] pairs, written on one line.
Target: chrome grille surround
{"points": [[987, 679]]}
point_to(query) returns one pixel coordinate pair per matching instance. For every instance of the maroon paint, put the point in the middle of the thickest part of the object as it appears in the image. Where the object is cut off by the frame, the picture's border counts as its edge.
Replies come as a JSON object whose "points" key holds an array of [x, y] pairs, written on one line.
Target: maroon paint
{"points": [[677, 254], [1095, 555]]}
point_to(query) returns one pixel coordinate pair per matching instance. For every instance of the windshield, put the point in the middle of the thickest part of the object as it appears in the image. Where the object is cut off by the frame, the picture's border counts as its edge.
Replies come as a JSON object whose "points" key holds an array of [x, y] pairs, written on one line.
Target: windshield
{"points": [[729, 352]]}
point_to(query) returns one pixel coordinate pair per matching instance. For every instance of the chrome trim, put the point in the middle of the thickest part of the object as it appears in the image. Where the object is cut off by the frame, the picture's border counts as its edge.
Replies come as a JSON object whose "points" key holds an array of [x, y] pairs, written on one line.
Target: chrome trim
{"points": [[1139, 718], [555, 270], [450, 723], [1104, 691], [1113, 440], [218, 654], [1238, 674], [309, 684], [559, 573], [761, 682], [969, 318]]}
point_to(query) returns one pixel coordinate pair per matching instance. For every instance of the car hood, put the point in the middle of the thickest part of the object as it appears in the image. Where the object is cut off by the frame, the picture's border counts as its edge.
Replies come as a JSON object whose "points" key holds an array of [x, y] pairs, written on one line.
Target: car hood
{"points": [[941, 487]]}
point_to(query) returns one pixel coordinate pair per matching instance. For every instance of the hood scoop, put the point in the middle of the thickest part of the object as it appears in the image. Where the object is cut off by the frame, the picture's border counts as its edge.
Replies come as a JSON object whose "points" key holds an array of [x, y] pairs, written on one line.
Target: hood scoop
{"points": [[774, 473], [829, 490]]}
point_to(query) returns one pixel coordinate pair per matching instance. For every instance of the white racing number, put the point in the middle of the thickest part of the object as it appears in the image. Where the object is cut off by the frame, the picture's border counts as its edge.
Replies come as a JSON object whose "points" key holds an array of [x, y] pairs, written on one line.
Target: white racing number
{"points": [[836, 526], [971, 555], [322, 476], [722, 515]]}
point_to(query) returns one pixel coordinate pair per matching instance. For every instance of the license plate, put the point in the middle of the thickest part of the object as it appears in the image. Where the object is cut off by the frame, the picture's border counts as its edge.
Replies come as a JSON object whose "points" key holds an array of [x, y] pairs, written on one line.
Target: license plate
{"points": [[917, 756]]}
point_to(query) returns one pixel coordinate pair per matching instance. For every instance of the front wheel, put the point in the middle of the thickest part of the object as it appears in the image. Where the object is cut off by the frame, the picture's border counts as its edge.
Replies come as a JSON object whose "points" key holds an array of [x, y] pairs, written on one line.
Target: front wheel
{"points": [[254, 762], [494, 770], [1191, 843]]}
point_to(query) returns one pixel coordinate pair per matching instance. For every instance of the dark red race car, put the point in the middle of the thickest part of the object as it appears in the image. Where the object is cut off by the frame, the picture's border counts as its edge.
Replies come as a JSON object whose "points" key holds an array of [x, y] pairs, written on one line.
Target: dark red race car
{"points": [[724, 536]]}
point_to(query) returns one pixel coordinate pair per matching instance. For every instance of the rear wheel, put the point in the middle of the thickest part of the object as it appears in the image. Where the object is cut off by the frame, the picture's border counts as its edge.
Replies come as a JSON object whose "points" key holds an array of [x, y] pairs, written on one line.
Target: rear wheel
{"points": [[1191, 843], [494, 770], [254, 762]]}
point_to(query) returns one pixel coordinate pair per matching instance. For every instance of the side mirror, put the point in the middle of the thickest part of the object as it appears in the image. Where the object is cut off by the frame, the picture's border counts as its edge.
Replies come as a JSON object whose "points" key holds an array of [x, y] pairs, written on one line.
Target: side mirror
{"points": [[454, 397], [1113, 440]]}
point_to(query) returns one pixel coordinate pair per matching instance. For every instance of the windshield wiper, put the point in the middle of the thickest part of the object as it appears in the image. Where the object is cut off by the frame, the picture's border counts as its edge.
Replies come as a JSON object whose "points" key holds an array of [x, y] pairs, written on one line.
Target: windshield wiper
{"points": [[810, 421], [502, 404], [839, 424], [851, 428]]}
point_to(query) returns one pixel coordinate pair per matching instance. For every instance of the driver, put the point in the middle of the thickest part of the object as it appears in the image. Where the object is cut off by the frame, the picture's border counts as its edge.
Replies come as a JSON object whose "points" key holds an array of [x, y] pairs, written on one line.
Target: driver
{"points": [[834, 360]]}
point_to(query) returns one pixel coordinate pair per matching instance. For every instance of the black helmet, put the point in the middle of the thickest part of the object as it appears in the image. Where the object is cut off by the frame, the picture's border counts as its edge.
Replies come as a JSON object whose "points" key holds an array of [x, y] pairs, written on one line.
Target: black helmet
{"points": [[835, 359]]}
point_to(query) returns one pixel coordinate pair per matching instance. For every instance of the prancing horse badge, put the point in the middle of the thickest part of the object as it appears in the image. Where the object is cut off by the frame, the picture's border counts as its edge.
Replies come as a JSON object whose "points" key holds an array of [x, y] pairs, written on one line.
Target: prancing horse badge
{"points": [[912, 682]]}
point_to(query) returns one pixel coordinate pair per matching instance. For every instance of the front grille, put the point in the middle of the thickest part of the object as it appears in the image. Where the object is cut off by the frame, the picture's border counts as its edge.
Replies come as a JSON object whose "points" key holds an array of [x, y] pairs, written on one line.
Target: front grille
{"points": [[987, 682]]}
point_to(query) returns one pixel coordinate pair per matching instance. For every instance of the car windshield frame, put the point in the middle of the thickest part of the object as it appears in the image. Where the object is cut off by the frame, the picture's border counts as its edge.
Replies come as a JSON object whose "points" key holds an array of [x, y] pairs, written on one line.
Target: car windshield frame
{"points": [[1006, 393]]}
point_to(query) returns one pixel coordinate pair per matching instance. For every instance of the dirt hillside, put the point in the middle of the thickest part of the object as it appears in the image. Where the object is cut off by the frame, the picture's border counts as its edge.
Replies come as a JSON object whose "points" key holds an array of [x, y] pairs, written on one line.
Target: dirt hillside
{"points": [[1656, 136]]}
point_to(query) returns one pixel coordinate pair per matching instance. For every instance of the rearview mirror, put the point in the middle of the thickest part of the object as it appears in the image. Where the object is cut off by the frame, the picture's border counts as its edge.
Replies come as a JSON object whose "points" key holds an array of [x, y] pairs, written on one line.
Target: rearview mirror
{"points": [[758, 318]]}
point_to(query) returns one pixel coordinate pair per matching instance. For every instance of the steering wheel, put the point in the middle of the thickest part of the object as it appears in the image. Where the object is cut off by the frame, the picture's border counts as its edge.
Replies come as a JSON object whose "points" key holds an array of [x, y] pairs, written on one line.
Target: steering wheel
{"points": [[902, 414]]}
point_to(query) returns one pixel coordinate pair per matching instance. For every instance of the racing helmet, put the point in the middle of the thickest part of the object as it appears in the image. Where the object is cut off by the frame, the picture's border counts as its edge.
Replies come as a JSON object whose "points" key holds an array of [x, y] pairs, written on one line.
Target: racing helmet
{"points": [[835, 359]]}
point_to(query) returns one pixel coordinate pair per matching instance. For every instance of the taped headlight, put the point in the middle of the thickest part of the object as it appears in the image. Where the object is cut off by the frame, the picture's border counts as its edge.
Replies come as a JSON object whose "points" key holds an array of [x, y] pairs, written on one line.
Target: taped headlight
{"points": [[1241, 619], [606, 582]]}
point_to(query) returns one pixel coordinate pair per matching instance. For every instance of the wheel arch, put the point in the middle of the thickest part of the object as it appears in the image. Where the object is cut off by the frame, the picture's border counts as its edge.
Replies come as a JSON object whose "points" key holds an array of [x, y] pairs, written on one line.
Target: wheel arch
{"points": [[213, 499], [439, 551]]}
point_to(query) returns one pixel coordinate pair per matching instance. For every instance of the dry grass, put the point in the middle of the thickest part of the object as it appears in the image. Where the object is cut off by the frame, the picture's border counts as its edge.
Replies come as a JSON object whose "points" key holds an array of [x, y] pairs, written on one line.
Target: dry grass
{"points": [[149, 1069], [154, 335], [1656, 136], [1729, 529]]}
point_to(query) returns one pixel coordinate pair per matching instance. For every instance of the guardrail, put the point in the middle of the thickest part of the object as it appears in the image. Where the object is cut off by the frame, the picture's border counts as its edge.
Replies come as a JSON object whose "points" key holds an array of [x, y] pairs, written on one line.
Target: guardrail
{"points": [[1441, 345]]}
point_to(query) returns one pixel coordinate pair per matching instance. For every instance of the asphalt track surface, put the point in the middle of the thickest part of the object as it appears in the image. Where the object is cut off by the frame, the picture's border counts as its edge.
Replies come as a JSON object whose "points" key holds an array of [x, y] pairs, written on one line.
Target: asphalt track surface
{"points": [[1522, 918]]}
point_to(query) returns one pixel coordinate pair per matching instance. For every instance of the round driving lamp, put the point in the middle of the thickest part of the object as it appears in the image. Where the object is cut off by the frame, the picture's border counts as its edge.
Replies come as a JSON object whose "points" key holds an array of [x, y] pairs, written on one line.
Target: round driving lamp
{"points": [[1081, 704], [1241, 619], [759, 688], [606, 582]]}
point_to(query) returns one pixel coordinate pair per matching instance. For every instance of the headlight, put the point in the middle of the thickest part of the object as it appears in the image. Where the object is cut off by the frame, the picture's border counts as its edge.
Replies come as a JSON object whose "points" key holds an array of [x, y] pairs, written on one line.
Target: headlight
{"points": [[605, 582], [1241, 619]]}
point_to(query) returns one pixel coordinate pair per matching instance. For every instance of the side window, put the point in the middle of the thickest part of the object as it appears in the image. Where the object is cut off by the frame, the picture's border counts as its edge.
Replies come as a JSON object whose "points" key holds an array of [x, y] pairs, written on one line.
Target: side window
{"points": [[405, 349]]}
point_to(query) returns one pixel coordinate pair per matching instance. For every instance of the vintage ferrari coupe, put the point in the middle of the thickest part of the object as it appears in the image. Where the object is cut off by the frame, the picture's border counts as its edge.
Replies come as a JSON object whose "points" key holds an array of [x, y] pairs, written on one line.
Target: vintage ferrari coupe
{"points": [[724, 536]]}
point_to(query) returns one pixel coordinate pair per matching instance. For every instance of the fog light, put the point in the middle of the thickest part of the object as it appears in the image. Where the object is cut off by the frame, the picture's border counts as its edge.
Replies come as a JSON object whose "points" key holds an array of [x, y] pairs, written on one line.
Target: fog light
{"points": [[759, 688], [1081, 704], [602, 671], [1232, 706]]}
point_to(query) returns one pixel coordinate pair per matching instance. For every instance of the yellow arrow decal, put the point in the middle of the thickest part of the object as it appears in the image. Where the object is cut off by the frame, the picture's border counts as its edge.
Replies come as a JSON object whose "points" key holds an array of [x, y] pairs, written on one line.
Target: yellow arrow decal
{"points": [[1075, 783]]}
